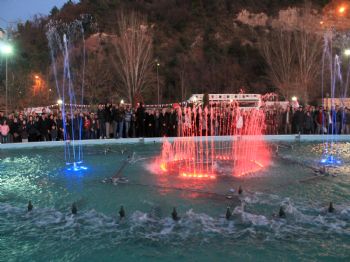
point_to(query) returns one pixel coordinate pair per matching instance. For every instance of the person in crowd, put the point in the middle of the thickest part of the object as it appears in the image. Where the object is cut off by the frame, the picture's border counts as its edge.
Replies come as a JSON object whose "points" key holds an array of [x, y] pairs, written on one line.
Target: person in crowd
{"points": [[127, 119], [101, 121], [16, 131], [44, 127], [87, 127], [152, 123], [4, 130], [121, 120], [339, 119], [308, 123], [321, 121], [60, 127], [140, 120], [32, 130], [115, 117], [299, 118], [93, 127], [108, 119], [162, 123], [23, 123], [287, 120], [347, 121]]}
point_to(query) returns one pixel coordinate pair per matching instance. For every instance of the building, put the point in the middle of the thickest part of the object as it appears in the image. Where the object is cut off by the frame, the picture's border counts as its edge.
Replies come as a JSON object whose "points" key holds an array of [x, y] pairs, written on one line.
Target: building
{"points": [[243, 100]]}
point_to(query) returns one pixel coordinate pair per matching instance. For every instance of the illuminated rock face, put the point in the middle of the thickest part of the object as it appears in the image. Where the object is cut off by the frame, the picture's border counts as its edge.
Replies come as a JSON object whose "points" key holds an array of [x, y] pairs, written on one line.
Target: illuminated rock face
{"points": [[197, 155]]}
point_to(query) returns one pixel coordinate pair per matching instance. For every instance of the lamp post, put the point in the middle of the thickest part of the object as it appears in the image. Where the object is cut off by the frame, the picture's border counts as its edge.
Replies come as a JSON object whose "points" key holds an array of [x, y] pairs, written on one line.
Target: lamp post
{"points": [[158, 64], [6, 49]]}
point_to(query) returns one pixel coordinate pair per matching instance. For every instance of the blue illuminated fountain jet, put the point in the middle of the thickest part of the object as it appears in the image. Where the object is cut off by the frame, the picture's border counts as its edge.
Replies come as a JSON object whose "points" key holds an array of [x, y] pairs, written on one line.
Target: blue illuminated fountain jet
{"points": [[66, 43], [336, 65]]}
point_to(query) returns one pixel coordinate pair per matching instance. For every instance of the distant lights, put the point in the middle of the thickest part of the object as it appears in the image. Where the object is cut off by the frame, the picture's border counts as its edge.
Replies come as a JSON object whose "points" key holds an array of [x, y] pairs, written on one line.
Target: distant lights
{"points": [[294, 99], [59, 102], [197, 176], [341, 9], [347, 52]]}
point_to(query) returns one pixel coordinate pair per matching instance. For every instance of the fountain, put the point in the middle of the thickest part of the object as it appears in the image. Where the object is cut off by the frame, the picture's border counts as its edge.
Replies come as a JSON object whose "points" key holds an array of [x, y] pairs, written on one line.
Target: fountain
{"points": [[198, 154], [66, 41], [336, 90]]}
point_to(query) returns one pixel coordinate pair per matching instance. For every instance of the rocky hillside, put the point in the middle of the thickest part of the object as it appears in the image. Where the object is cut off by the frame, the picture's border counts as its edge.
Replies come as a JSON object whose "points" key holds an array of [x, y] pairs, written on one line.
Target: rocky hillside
{"points": [[200, 45]]}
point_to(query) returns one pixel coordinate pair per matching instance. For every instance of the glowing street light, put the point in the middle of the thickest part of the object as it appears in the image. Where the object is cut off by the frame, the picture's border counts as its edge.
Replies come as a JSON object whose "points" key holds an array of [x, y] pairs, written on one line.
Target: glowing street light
{"points": [[59, 102], [6, 48], [294, 99], [36, 77], [122, 101], [341, 10], [347, 52]]}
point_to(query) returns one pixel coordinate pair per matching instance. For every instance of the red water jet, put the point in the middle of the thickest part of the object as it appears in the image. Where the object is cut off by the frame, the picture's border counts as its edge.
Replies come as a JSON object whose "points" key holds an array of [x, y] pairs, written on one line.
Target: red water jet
{"points": [[198, 152]]}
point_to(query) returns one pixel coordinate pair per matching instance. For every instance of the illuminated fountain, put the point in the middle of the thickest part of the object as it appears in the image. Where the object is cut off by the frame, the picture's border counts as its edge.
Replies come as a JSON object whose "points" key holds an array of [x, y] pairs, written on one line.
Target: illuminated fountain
{"points": [[66, 42], [337, 66], [199, 154]]}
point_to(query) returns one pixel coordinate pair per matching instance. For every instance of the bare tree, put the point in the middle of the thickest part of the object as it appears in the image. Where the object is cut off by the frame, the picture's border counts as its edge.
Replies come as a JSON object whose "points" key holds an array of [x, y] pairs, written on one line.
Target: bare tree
{"points": [[308, 67], [279, 54], [293, 52], [133, 54]]}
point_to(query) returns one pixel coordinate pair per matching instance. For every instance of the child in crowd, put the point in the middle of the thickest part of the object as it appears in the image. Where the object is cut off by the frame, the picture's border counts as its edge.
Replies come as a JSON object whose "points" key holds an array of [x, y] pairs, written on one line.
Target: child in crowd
{"points": [[4, 130]]}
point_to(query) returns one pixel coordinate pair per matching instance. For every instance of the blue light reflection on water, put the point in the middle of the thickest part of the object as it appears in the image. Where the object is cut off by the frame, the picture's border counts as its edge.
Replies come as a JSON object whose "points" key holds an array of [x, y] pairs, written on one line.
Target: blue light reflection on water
{"points": [[330, 160], [74, 173]]}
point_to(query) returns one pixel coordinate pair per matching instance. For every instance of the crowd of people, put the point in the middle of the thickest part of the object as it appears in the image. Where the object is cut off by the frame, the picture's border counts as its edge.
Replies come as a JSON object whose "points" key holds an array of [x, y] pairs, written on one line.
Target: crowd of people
{"points": [[123, 121]]}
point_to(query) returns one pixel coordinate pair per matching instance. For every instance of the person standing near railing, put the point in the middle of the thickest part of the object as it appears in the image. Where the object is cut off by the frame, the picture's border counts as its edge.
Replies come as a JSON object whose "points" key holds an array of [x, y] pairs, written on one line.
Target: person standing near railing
{"points": [[4, 130]]}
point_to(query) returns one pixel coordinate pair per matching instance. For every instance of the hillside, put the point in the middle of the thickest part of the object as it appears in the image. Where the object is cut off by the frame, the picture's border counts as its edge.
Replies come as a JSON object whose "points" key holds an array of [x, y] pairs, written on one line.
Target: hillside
{"points": [[199, 44]]}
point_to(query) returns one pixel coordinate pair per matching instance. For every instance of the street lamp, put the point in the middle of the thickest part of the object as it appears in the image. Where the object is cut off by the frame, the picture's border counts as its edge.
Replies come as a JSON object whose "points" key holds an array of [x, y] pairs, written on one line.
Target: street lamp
{"points": [[6, 49], [59, 102], [158, 64], [341, 9], [347, 52], [294, 99]]}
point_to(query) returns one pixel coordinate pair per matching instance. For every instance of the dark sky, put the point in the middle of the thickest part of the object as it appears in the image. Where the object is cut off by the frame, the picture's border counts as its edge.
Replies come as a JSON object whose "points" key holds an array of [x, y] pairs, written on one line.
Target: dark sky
{"points": [[22, 10]]}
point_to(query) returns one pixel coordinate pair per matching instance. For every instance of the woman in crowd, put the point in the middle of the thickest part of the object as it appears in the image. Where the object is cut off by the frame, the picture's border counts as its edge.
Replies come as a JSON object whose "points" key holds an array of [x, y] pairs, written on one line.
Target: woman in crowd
{"points": [[4, 130]]}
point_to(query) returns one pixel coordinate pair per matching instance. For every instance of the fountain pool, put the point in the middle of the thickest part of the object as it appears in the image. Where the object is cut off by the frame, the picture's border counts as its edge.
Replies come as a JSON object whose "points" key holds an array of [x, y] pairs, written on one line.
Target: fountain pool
{"points": [[51, 233]]}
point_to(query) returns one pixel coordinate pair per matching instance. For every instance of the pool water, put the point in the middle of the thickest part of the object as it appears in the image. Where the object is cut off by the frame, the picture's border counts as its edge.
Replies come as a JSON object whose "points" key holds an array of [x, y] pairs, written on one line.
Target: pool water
{"points": [[51, 233]]}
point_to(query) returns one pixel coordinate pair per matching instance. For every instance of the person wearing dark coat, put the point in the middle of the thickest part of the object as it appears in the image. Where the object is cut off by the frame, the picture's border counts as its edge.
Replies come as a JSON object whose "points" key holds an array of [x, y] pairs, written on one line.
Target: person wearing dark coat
{"points": [[163, 123], [44, 127], [299, 120], [108, 119], [16, 131], [150, 124], [101, 121], [140, 121], [308, 123], [32, 130], [172, 123]]}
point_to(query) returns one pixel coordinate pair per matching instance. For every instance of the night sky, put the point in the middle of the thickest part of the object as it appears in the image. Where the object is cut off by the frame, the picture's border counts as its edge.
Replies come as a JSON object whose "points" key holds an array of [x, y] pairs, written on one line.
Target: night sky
{"points": [[22, 10]]}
